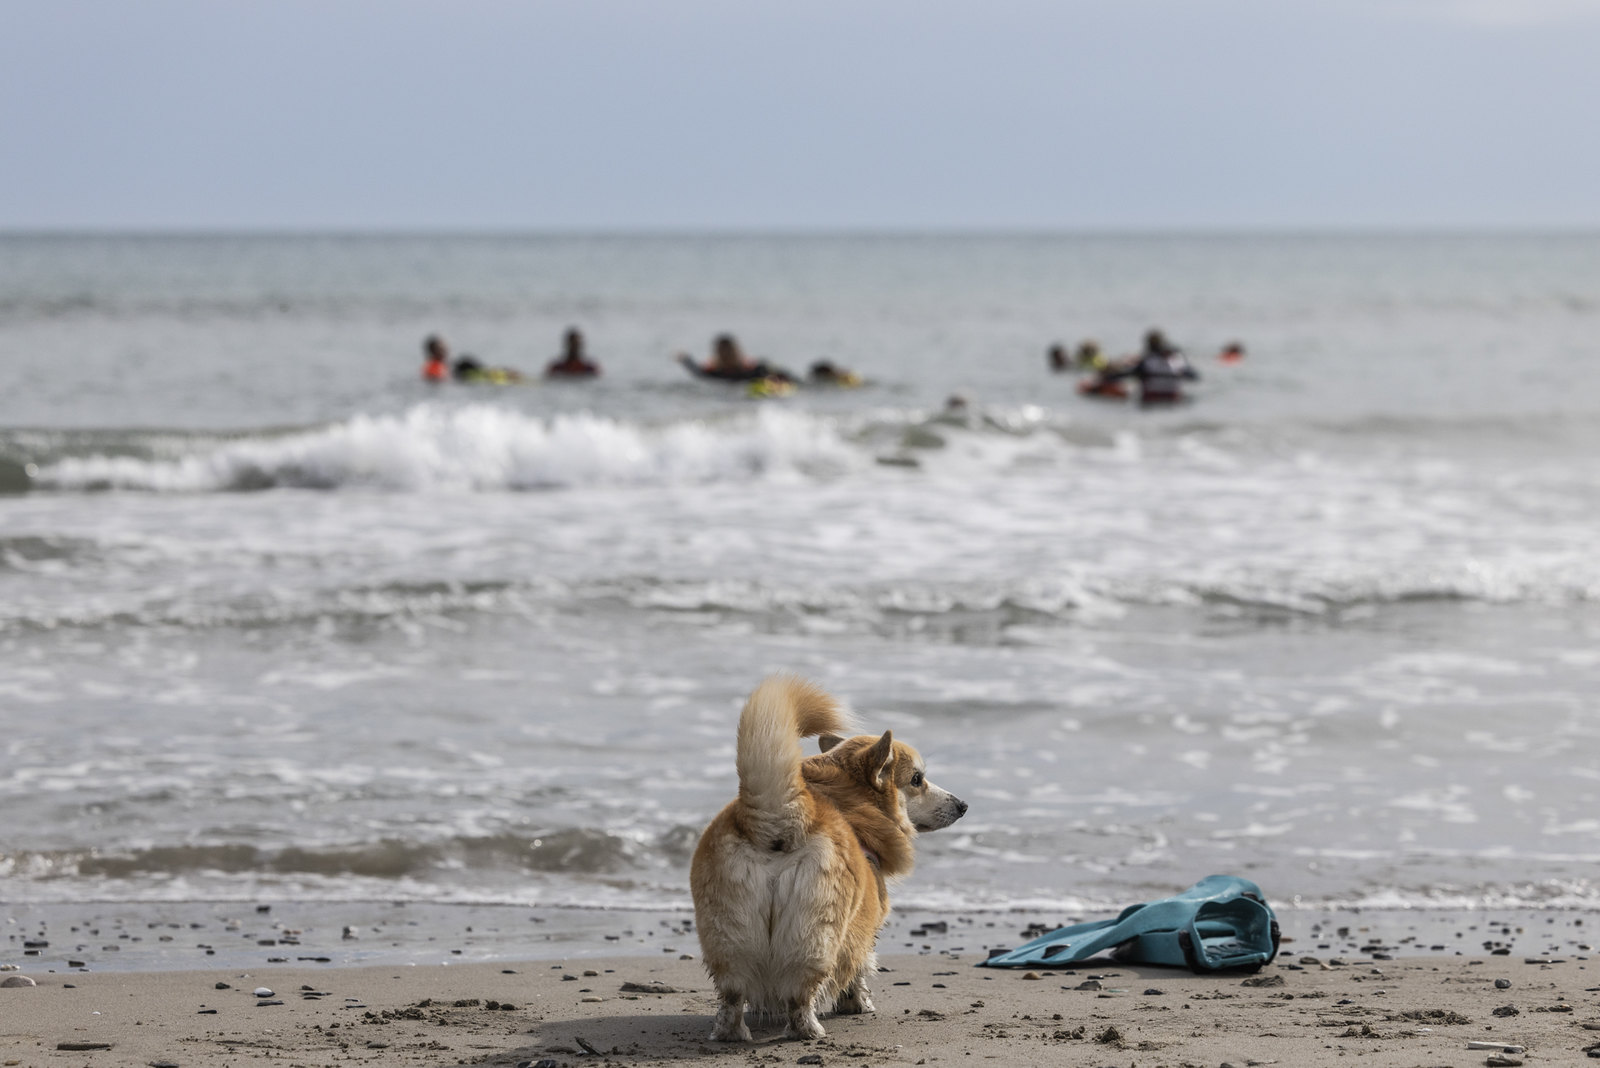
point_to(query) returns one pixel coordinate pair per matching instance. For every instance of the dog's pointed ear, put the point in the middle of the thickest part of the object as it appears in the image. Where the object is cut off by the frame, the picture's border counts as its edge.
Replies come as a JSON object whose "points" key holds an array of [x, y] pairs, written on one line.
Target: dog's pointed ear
{"points": [[880, 758], [828, 741]]}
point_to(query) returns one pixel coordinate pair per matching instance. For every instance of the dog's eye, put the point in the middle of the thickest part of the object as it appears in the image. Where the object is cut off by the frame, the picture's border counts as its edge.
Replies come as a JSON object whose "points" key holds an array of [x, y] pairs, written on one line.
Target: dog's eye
{"points": [[916, 778]]}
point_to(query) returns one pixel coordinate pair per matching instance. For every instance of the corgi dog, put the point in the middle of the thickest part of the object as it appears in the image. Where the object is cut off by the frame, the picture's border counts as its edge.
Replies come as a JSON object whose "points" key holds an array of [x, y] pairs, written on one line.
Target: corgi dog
{"points": [[790, 879]]}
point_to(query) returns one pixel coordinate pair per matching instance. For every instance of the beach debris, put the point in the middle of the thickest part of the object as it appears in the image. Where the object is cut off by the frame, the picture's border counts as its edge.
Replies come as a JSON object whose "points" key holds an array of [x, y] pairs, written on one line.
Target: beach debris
{"points": [[1026, 975], [1152, 992], [350, 933], [1502, 984], [586, 1047], [260, 991], [654, 986], [79, 1047], [1264, 980], [1500, 1060], [1433, 1016], [268, 1001], [1089, 984], [1499, 1047], [810, 1058], [1110, 1036], [17, 980]]}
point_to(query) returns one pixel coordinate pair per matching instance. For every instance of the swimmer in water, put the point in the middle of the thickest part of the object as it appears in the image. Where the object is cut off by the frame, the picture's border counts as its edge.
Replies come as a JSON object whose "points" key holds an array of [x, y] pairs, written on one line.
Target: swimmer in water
{"points": [[573, 363], [728, 363]]}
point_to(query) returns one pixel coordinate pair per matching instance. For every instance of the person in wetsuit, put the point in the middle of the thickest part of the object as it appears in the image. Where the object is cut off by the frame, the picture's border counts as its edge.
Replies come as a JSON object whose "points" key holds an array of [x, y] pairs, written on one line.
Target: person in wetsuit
{"points": [[573, 363], [1161, 370], [728, 363]]}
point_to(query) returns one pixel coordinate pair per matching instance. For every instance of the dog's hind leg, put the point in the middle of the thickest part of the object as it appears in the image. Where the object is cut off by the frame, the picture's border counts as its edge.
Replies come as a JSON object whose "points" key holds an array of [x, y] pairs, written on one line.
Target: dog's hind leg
{"points": [[856, 998], [803, 1022], [730, 1025]]}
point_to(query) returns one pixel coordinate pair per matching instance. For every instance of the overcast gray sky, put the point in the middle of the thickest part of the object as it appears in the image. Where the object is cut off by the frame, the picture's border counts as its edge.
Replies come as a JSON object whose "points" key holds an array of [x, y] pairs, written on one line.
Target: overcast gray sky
{"points": [[836, 114]]}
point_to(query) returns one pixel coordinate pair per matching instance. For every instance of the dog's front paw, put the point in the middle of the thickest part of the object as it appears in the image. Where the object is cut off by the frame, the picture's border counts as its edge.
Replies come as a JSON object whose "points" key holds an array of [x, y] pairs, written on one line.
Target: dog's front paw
{"points": [[854, 1001]]}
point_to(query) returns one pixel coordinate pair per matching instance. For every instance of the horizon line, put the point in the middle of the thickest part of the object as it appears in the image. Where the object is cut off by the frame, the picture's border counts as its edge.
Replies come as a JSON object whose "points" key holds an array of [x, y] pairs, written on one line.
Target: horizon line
{"points": [[821, 232]]}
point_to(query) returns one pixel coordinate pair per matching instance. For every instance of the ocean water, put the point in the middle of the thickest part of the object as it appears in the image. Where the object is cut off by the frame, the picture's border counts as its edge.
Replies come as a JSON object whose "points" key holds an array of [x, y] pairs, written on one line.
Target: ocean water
{"points": [[279, 621]]}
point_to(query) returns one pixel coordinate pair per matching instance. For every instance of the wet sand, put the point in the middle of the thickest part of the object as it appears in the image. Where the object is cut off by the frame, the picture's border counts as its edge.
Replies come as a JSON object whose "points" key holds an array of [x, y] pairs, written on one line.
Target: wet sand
{"points": [[1304, 1009]]}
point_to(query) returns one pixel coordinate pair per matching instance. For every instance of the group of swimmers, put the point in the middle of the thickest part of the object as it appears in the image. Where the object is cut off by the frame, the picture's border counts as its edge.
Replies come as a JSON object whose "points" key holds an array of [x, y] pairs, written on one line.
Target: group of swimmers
{"points": [[1160, 368], [438, 367], [728, 363]]}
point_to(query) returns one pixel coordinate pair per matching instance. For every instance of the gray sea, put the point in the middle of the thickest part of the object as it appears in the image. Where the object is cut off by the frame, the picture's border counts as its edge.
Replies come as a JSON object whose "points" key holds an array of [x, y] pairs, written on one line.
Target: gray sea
{"points": [[281, 622]]}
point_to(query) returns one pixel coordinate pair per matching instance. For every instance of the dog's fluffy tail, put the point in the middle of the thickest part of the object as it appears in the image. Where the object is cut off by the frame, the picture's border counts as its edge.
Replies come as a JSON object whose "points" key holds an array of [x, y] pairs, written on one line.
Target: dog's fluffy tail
{"points": [[781, 711]]}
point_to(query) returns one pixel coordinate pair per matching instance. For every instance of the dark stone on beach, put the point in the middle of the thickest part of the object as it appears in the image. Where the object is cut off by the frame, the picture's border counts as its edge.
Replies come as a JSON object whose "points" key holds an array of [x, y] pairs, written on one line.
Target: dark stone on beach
{"points": [[1154, 993], [163, 1064], [810, 1058], [1502, 984], [223, 986], [264, 1004], [1500, 1060], [17, 980], [1506, 1010], [1264, 980], [1090, 984], [77, 964], [569, 978], [206, 1012], [35, 943], [82, 1046]]}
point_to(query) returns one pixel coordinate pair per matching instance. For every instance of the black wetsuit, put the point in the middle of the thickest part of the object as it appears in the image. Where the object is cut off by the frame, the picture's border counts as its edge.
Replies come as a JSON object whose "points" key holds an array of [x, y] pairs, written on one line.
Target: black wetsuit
{"points": [[1160, 375]]}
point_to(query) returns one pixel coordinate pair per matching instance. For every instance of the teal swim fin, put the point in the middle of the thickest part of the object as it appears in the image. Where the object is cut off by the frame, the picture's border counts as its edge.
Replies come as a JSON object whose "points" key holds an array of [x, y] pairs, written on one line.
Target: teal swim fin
{"points": [[1220, 923]]}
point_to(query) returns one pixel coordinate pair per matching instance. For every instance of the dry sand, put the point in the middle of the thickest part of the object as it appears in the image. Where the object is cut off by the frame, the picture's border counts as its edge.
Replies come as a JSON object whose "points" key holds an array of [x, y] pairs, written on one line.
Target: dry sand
{"points": [[932, 1008]]}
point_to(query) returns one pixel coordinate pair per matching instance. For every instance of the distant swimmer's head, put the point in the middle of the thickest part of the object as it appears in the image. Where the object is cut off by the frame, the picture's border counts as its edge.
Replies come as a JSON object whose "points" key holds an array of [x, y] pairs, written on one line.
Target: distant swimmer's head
{"points": [[1155, 341], [572, 343], [725, 353], [435, 348], [1058, 357]]}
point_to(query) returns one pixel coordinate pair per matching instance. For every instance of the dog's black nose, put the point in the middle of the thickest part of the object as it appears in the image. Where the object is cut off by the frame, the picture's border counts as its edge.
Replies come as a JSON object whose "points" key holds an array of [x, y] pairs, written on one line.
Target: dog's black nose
{"points": [[961, 808]]}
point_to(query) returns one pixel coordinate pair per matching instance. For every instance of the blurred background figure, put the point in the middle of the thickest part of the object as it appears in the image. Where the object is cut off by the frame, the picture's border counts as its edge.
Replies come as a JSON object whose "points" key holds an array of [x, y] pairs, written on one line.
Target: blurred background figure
{"points": [[435, 359], [573, 363], [729, 363]]}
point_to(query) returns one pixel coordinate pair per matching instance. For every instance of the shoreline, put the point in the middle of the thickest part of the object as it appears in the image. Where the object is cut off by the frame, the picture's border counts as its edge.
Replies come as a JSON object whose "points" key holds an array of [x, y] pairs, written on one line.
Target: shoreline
{"points": [[1304, 1009], [96, 937]]}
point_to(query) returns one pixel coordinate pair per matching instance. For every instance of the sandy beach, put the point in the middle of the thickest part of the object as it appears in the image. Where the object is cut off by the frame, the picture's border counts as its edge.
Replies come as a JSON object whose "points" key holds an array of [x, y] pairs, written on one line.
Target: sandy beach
{"points": [[1304, 1009]]}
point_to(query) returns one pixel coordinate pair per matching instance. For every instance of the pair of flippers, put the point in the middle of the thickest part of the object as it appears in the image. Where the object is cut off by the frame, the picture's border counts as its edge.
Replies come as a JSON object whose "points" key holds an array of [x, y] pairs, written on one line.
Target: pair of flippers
{"points": [[1221, 923]]}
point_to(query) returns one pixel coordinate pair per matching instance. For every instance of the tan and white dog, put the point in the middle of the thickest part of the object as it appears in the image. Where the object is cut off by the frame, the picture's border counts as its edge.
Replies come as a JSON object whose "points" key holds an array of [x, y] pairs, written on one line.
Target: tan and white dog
{"points": [[789, 880]]}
